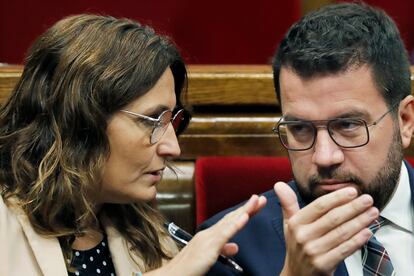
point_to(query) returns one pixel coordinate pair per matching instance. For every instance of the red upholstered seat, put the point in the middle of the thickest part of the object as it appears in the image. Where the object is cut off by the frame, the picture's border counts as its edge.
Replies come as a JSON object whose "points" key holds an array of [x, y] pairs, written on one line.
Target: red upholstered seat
{"points": [[222, 182]]}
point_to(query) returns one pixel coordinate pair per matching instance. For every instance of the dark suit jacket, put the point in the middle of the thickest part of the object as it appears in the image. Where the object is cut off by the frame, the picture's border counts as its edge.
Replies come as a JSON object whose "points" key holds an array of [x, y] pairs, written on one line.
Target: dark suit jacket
{"points": [[261, 242]]}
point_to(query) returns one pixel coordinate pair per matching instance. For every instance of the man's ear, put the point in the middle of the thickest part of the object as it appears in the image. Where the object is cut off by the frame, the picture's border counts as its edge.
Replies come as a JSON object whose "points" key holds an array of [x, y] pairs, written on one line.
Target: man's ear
{"points": [[406, 120]]}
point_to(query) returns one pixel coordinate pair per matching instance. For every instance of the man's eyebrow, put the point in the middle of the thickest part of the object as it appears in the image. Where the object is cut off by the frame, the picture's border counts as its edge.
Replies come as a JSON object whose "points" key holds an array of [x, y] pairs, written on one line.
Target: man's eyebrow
{"points": [[353, 114], [291, 118], [349, 114]]}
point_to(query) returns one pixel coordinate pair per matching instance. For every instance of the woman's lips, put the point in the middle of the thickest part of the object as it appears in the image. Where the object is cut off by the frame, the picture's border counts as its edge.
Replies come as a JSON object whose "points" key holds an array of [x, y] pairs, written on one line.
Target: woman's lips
{"points": [[155, 175]]}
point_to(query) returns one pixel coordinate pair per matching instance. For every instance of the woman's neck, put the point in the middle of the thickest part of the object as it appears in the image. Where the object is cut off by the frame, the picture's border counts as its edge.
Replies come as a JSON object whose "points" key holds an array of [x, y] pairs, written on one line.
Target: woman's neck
{"points": [[93, 234], [91, 239]]}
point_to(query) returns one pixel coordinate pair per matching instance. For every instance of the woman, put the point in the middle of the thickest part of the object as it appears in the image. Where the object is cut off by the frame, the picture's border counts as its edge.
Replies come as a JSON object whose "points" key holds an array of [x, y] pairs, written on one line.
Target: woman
{"points": [[84, 139]]}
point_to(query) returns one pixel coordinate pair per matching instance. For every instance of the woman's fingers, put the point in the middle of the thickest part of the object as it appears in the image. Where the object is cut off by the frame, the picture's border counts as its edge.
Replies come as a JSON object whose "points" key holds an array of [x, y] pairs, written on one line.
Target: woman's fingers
{"points": [[231, 223], [262, 202], [205, 247], [230, 249]]}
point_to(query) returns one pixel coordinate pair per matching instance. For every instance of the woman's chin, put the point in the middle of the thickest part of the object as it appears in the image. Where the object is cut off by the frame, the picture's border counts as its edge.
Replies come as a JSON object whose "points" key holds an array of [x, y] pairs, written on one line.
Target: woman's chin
{"points": [[148, 195]]}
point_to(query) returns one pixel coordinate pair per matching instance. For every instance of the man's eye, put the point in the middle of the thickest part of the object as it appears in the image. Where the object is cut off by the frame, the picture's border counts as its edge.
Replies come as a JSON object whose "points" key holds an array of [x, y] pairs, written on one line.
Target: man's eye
{"points": [[346, 125], [299, 129]]}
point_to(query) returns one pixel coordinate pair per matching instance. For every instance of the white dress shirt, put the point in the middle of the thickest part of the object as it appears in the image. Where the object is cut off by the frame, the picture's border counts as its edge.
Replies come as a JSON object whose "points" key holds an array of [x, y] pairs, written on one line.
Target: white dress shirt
{"points": [[397, 235]]}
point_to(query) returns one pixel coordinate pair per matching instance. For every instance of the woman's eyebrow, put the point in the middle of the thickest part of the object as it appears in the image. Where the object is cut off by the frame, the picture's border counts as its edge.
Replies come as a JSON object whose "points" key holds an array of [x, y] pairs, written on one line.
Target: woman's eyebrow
{"points": [[156, 110]]}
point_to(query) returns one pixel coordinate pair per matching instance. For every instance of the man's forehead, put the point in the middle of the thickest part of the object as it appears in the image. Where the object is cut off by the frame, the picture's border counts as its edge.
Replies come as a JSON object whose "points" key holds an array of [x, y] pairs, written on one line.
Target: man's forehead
{"points": [[347, 92], [306, 77], [355, 80]]}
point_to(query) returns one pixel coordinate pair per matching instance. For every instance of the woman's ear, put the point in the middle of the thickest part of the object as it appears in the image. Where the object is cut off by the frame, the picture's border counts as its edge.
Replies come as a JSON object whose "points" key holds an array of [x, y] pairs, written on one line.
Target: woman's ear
{"points": [[406, 120]]}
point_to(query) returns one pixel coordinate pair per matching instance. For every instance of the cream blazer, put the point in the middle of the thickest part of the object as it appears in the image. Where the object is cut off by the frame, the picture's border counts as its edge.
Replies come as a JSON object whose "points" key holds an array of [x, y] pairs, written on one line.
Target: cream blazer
{"points": [[24, 252]]}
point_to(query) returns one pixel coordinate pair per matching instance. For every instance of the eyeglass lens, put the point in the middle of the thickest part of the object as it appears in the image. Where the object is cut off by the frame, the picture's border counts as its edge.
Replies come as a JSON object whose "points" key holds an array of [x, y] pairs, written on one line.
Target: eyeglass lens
{"points": [[179, 123], [176, 121], [346, 133]]}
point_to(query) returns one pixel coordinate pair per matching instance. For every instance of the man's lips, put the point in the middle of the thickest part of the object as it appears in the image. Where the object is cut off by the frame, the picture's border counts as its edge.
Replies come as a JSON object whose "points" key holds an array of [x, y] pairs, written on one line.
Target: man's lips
{"points": [[333, 185]]}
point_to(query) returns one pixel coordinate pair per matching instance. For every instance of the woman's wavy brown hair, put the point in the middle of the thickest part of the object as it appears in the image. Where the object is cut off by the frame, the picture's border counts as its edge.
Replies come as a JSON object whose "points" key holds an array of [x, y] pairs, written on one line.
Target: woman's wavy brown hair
{"points": [[53, 141]]}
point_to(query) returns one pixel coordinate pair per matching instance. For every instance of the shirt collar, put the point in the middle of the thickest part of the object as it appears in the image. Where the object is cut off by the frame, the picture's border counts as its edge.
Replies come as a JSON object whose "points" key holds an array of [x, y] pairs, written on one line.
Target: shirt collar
{"points": [[399, 209]]}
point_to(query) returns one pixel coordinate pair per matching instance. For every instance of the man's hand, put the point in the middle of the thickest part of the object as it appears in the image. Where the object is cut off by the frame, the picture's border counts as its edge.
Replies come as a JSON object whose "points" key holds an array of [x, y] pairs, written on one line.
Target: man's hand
{"points": [[325, 232]]}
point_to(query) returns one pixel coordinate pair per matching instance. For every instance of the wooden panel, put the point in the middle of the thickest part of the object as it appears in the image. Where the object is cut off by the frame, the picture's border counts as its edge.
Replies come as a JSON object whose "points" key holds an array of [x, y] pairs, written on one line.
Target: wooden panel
{"points": [[208, 84], [231, 85], [9, 75], [311, 5], [224, 135]]}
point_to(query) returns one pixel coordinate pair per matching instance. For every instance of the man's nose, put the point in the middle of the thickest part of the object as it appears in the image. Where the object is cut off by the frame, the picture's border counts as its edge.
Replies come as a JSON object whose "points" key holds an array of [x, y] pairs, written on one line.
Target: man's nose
{"points": [[326, 152]]}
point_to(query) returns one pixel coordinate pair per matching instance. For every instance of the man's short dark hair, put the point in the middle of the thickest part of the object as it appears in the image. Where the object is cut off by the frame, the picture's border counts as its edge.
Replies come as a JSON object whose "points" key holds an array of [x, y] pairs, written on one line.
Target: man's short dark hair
{"points": [[339, 37]]}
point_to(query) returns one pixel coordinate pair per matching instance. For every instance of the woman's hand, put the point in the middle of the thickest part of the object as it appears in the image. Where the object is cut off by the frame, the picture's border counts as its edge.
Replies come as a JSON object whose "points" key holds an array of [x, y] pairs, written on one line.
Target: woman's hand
{"points": [[204, 248]]}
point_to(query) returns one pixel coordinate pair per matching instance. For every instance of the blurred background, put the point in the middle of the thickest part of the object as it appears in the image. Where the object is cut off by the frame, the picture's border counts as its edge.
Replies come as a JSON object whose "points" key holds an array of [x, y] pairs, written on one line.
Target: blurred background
{"points": [[207, 32], [229, 150]]}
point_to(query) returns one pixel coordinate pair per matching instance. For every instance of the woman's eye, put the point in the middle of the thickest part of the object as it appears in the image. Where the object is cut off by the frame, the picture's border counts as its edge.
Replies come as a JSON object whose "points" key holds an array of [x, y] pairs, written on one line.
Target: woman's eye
{"points": [[144, 122]]}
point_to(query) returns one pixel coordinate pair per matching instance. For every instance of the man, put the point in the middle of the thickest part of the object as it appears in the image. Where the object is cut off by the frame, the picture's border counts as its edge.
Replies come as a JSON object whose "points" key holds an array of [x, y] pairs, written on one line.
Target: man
{"points": [[343, 79]]}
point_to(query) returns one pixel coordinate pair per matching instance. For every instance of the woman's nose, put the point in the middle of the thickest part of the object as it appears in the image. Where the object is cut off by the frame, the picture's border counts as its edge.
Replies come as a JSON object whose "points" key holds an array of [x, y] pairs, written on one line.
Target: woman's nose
{"points": [[168, 144]]}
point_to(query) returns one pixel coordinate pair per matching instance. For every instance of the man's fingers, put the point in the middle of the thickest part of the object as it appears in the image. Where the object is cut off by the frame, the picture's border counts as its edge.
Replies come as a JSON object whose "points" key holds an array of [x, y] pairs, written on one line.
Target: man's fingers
{"points": [[343, 250], [324, 204], [342, 233], [338, 219], [288, 199]]}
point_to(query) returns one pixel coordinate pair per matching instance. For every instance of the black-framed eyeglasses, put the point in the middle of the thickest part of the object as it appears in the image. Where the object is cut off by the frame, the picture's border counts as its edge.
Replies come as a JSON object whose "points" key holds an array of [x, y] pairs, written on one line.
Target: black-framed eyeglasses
{"points": [[345, 132], [179, 120]]}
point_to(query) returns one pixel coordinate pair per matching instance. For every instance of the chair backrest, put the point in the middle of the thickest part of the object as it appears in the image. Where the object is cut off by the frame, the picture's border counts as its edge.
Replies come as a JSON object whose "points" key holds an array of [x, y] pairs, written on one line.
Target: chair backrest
{"points": [[213, 32], [222, 182]]}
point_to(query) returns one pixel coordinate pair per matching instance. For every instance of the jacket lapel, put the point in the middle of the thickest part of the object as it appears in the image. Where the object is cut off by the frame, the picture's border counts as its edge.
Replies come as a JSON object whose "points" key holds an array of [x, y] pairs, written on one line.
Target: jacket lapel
{"points": [[47, 251], [121, 258]]}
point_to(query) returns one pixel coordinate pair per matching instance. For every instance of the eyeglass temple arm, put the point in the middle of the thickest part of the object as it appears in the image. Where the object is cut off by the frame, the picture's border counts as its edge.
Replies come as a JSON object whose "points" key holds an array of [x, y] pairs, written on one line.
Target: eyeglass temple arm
{"points": [[141, 116], [383, 115]]}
